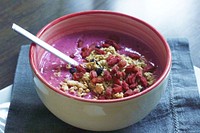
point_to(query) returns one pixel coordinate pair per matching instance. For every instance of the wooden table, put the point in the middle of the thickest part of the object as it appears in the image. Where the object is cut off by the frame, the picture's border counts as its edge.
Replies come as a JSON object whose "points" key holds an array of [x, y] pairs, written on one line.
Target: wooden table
{"points": [[173, 18]]}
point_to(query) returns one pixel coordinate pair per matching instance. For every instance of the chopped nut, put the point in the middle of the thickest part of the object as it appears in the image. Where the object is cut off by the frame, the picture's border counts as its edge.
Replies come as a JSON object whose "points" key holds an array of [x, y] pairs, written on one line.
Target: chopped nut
{"points": [[65, 87], [99, 88], [80, 90], [87, 90], [76, 83], [119, 95]]}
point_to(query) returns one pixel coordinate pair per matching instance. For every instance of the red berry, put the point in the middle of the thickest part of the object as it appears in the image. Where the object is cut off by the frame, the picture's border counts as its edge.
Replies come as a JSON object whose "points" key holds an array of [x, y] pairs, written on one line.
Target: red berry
{"points": [[108, 92], [123, 74], [132, 86], [119, 75], [107, 76], [134, 55], [110, 57], [93, 74], [99, 51], [85, 52], [80, 69], [122, 63], [105, 45], [116, 81], [97, 80], [131, 68], [114, 70], [131, 79], [143, 81], [112, 61], [77, 76], [114, 44], [117, 89], [128, 93], [125, 86], [128, 69]]}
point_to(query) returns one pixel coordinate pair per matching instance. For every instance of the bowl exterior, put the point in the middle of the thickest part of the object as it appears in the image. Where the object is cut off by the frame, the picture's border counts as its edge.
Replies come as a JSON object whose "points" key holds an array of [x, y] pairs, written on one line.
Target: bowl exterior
{"points": [[99, 116]]}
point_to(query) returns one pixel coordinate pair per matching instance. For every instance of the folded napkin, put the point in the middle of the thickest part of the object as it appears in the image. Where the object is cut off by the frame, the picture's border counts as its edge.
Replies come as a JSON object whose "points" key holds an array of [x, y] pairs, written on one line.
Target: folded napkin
{"points": [[177, 111]]}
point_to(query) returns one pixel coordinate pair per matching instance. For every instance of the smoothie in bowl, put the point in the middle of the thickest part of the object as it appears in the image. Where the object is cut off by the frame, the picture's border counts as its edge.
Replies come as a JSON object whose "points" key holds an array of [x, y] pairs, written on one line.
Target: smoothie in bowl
{"points": [[112, 65], [123, 71]]}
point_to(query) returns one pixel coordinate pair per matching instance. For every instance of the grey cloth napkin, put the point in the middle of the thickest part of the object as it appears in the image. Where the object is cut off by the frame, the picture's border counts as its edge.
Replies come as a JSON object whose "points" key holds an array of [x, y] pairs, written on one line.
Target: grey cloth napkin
{"points": [[177, 111]]}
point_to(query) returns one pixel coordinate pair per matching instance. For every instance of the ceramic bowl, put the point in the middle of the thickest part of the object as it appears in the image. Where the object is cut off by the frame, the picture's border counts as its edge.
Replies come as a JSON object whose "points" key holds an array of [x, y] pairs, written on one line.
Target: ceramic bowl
{"points": [[101, 115]]}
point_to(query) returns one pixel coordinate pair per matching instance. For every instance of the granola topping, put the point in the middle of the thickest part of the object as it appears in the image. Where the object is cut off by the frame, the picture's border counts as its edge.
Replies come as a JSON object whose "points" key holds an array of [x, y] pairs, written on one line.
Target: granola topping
{"points": [[107, 74]]}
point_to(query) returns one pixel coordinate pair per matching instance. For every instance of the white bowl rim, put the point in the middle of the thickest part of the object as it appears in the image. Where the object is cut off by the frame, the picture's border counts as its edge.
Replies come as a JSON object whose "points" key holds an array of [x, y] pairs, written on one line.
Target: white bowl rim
{"points": [[157, 83]]}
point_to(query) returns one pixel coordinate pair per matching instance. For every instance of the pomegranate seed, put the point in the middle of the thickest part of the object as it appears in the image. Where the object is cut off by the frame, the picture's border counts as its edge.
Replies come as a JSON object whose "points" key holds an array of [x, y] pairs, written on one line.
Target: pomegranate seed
{"points": [[85, 52], [93, 74], [99, 51], [77, 76], [143, 81], [128, 93], [119, 75], [80, 69], [125, 86], [116, 80], [131, 79], [107, 76], [132, 86], [123, 74], [134, 55], [114, 69], [113, 61], [114, 44], [97, 80], [128, 69], [117, 89], [115, 85], [122, 63], [131, 68], [105, 45], [108, 92], [139, 74]]}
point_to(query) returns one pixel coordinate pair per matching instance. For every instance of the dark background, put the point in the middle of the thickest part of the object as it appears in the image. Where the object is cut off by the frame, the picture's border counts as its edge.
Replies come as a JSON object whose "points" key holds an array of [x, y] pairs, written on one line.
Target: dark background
{"points": [[173, 18]]}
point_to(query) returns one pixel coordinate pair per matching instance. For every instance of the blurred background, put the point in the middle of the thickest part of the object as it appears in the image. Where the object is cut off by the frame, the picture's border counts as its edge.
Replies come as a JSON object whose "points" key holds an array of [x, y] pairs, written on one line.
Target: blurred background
{"points": [[173, 18]]}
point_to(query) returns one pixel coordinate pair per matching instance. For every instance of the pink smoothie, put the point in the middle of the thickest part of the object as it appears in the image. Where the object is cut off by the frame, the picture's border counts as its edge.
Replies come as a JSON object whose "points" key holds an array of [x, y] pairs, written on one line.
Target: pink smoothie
{"points": [[54, 70]]}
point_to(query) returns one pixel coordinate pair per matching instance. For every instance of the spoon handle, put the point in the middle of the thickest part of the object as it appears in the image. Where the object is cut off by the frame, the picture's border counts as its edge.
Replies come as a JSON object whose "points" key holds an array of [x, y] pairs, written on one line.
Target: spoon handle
{"points": [[44, 45]]}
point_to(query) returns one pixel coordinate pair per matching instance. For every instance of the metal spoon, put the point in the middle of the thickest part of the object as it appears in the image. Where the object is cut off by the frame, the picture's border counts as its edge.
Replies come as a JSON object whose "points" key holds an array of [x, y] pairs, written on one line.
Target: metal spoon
{"points": [[44, 45]]}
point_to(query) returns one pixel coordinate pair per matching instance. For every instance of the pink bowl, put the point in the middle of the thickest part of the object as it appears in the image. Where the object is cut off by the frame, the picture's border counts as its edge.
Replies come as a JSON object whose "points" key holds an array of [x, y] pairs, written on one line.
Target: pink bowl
{"points": [[101, 115]]}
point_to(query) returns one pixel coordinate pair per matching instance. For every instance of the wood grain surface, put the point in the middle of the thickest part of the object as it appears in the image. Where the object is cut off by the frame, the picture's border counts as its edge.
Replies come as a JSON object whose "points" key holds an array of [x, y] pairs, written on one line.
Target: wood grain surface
{"points": [[173, 18]]}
